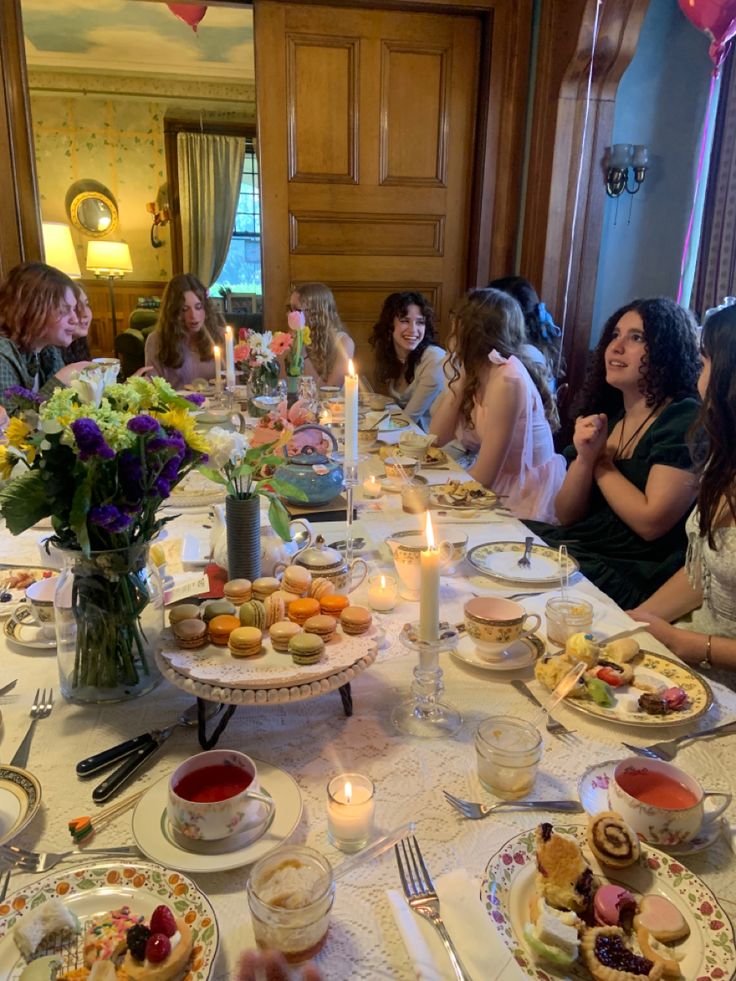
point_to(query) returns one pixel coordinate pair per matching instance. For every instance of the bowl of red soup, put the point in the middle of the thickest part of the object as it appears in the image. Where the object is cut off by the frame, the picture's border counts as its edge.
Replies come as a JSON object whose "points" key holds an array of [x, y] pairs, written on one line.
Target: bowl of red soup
{"points": [[216, 795]]}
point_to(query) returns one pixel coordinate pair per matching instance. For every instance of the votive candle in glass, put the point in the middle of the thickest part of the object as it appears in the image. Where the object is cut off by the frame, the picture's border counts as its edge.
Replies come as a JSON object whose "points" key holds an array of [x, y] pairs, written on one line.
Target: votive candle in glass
{"points": [[350, 811], [383, 591], [371, 487]]}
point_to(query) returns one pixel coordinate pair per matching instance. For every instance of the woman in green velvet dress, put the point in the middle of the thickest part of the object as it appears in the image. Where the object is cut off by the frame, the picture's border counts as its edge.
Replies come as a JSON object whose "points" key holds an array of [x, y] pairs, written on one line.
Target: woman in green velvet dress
{"points": [[629, 484]]}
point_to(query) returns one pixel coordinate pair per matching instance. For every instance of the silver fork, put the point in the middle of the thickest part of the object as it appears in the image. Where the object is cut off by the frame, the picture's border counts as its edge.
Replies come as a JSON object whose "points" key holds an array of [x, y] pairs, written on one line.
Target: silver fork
{"points": [[422, 897], [525, 561], [668, 750], [41, 709], [554, 728], [476, 811], [4, 886], [28, 861]]}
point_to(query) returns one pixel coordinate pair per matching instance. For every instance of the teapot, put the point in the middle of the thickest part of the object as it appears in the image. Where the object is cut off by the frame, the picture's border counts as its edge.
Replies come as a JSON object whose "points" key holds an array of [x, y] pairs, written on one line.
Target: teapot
{"points": [[327, 563], [309, 468], [273, 549]]}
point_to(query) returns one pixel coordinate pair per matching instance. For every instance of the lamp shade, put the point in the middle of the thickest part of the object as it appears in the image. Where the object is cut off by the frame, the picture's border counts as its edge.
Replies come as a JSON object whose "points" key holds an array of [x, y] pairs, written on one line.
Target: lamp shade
{"points": [[109, 258], [58, 248]]}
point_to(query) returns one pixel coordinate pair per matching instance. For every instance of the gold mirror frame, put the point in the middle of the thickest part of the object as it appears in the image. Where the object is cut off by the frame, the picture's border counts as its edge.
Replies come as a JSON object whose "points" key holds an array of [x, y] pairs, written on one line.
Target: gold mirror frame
{"points": [[82, 191]]}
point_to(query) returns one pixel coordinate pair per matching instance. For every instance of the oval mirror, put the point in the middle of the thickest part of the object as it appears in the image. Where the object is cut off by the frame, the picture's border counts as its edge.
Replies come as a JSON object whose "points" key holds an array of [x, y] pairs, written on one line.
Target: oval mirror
{"points": [[91, 208]]}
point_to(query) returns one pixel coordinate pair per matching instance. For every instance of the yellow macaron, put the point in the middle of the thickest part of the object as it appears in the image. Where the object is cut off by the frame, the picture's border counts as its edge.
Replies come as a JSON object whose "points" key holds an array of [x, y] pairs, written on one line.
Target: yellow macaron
{"points": [[245, 642]]}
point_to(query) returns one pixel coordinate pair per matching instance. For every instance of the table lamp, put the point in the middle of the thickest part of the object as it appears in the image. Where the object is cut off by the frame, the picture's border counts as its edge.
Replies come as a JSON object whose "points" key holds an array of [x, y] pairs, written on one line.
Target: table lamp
{"points": [[111, 259], [58, 248]]}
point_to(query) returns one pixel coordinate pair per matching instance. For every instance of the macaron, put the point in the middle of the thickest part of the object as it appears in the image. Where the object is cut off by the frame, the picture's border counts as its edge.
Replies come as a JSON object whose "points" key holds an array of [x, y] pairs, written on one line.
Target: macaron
{"points": [[286, 596], [302, 609], [275, 608], [321, 587], [190, 633], [253, 614], [220, 627], [281, 633], [355, 619], [264, 586], [217, 608], [238, 591], [306, 648], [322, 625], [245, 642], [296, 579], [185, 611], [333, 604]]}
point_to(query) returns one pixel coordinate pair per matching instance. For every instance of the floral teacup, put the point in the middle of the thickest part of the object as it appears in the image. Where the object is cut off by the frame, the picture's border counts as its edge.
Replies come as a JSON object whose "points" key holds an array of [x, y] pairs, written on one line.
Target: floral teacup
{"points": [[407, 548], [494, 624]]}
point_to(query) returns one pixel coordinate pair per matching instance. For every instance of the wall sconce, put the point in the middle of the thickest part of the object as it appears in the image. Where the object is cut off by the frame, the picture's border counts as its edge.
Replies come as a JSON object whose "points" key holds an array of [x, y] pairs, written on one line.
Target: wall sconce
{"points": [[161, 218], [621, 158]]}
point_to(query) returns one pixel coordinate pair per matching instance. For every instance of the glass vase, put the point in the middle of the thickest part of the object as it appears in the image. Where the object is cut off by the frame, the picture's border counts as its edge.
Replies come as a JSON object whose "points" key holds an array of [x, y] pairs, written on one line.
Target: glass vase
{"points": [[109, 615]]}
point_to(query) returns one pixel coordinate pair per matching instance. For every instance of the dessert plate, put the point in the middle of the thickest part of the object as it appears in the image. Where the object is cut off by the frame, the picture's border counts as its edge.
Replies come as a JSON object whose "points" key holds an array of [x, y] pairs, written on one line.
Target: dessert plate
{"points": [[518, 655], [89, 890], [509, 882], [20, 799], [593, 794], [155, 838], [23, 629], [500, 561]]}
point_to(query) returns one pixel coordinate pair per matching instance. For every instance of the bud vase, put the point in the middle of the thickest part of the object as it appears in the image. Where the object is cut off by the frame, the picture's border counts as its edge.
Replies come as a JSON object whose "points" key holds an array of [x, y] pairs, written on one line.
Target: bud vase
{"points": [[243, 520], [109, 614]]}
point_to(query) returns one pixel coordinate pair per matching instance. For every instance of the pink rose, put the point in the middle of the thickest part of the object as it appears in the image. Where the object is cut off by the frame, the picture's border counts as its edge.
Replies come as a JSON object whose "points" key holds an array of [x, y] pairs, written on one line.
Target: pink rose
{"points": [[676, 868], [716, 924], [705, 908], [506, 859], [241, 352], [295, 320]]}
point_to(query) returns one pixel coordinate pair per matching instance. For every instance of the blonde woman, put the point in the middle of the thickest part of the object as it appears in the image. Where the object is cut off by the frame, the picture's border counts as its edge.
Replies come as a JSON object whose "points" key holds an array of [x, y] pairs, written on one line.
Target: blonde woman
{"points": [[331, 347]]}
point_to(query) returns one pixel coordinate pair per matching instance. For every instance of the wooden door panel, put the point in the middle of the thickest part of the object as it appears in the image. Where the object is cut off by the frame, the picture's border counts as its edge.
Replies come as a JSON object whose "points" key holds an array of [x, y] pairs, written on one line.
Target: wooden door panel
{"points": [[314, 232]]}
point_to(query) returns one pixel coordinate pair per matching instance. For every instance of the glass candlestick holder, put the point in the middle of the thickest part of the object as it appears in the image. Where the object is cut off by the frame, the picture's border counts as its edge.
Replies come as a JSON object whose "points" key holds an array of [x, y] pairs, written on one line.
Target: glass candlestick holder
{"points": [[350, 482], [424, 714]]}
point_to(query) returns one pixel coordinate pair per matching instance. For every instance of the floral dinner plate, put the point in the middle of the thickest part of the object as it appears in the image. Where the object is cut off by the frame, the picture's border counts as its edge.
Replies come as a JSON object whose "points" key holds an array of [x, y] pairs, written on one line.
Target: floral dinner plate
{"points": [[95, 889], [509, 882], [500, 560]]}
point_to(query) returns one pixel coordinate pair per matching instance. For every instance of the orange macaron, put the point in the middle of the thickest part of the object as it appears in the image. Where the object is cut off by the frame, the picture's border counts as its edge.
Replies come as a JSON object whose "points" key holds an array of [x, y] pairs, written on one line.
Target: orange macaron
{"points": [[302, 609], [333, 604], [221, 627]]}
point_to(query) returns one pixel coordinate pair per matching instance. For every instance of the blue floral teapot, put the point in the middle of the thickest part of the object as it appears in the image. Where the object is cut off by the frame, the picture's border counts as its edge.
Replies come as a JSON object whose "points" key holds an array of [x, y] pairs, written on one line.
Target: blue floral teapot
{"points": [[309, 467]]}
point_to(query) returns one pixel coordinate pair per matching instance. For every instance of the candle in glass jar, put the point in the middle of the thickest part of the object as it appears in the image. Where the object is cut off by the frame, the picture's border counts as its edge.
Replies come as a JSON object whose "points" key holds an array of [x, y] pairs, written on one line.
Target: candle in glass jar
{"points": [[218, 368], [371, 487], [429, 588], [350, 811], [382, 593], [229, 358], [351, 415]]}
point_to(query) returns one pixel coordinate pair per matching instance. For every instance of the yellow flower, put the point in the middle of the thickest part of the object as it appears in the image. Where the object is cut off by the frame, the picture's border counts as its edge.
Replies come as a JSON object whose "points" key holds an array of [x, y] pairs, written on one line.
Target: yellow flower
{"points": [[306, 336], [17, 431], [6, 463], [182, 420]]}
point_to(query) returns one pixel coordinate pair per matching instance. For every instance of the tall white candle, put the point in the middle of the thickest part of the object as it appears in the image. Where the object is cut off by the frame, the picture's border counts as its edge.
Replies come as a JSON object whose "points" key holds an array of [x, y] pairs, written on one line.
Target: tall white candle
{"points": [[429, 588], [229, 358], [218, 368], [351, 415]]}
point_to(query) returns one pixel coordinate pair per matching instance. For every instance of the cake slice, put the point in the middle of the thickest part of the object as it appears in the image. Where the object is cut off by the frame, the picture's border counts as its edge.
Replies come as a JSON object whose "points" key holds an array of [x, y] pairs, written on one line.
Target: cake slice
{"points": [[553, 934], [564, 878], [53, 917]]}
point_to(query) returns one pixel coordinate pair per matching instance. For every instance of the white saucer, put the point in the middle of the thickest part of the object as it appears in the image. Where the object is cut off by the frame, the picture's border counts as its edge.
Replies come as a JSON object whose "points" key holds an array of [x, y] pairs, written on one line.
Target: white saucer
{"points": [[154, 837], [593, 794], [518, 655], [22, 629]]}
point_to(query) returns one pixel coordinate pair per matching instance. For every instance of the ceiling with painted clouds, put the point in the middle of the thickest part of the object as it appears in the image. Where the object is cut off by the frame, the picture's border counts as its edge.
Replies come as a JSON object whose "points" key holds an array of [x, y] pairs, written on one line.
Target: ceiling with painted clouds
{"points": [[133, 37]]}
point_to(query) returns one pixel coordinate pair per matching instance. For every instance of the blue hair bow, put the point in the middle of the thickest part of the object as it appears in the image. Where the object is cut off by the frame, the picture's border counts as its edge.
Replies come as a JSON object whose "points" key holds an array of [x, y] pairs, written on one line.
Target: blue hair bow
{"points": [[548, 324]]}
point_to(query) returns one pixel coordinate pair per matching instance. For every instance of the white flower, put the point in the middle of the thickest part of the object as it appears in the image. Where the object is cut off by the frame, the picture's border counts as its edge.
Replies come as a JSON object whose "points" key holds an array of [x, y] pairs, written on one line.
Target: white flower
{"points": [[92, 381], [225, 447]]}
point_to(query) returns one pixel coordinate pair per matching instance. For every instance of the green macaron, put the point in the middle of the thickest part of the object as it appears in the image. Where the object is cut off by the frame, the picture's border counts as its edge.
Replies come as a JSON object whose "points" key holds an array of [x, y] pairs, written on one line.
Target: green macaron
{"points": [[253, 614], [306, 648], [217, 608]]}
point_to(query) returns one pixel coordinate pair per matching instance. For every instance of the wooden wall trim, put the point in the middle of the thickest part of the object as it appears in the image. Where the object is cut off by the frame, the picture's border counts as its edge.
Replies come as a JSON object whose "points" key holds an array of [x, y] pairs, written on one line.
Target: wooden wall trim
{"points": [[566, 32]]}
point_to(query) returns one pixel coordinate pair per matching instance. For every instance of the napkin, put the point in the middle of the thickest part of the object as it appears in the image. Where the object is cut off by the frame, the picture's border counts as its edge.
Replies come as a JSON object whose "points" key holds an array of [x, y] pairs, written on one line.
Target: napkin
{"points": [[481, 949]]}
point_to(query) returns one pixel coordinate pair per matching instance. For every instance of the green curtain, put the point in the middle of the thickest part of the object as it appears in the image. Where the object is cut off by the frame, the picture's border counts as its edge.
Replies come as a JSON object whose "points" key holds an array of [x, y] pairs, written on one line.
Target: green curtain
{"points": [[210, 173]]}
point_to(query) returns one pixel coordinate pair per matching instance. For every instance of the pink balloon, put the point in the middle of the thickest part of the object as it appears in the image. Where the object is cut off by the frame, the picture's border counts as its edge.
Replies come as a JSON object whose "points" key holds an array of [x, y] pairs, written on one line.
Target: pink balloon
{"points": [[717, 18], [189, 13]]}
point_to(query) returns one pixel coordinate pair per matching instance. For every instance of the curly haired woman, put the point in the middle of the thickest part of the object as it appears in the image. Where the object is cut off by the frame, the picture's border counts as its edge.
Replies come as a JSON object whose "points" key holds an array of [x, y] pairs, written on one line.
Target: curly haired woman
{"points": [[189, 325], [38, 316], [408, 363], [629, 484], [330, 347], [499, 405], [703, 591]]}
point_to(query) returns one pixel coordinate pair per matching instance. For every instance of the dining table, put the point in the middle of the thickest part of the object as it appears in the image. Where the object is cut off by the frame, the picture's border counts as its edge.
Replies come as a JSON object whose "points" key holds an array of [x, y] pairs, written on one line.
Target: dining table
{"points": [[313, 740]]}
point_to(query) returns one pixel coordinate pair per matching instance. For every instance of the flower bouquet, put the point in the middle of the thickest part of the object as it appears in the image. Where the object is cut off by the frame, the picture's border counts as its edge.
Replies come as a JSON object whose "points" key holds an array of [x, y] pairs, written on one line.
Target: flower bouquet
{"points": [[257, 356], [100, 462]]}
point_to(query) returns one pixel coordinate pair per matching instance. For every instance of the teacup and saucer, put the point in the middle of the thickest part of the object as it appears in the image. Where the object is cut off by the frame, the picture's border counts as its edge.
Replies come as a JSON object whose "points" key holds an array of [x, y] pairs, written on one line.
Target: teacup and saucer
{"points": [[496, 626]]}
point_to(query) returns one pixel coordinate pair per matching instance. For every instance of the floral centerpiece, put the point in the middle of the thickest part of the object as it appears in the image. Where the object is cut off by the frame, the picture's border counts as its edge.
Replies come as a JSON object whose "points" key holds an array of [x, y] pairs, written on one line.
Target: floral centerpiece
{"points": [[301, 339], [257, 356], [100, 461]]}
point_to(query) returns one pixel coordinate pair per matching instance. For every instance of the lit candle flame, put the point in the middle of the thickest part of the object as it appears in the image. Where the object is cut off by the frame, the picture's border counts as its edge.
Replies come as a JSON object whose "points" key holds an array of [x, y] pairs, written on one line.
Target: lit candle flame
{"points": [[383, 582], [430, 533], [228, 331], [348, 792], [216, 350], [351, 369]]}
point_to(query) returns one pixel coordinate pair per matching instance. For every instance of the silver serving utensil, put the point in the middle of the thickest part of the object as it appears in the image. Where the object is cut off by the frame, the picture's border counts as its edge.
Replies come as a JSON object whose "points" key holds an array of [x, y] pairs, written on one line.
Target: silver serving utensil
{"points": [[475, 811], [667, 751], [525, 562]]}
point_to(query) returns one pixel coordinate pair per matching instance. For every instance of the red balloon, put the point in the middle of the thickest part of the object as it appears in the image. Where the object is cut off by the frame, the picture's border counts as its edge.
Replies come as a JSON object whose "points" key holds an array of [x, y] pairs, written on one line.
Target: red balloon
{"points": [[189, 13], [717, 18]]}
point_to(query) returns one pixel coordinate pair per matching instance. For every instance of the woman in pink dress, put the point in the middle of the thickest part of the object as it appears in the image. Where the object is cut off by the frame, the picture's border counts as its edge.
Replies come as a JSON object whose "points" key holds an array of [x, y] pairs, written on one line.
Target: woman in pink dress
{"points": [[499, 406]]}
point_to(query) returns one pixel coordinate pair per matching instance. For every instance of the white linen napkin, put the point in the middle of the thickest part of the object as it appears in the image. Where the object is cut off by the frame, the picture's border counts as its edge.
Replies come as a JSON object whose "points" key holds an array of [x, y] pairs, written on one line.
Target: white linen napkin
{"points": [[481, 949]]}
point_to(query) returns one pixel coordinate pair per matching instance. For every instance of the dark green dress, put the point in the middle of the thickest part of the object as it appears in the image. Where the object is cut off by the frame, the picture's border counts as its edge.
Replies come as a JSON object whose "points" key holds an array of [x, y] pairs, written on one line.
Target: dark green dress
{"points": [[626, 567]]}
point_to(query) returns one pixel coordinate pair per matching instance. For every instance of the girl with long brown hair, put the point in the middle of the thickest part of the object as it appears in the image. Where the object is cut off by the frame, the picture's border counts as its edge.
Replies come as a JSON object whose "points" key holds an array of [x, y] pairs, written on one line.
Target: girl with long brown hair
{"points": [[330, 346], [189, 325], [499, 405]]}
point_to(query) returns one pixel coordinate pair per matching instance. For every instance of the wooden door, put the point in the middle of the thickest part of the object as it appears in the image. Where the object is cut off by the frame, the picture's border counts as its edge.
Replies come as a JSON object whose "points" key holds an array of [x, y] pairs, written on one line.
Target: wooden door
{"points": [[366, 124]]}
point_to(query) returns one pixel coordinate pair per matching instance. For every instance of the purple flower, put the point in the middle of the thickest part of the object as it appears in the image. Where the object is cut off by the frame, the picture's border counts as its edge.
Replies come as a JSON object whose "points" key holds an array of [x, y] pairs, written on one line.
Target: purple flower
{"points": [[159, 443], [195, 398], [140, 425], [18, 392], [162, 487], [170, 470], [130, 475], [109, 517], [90, 440]]}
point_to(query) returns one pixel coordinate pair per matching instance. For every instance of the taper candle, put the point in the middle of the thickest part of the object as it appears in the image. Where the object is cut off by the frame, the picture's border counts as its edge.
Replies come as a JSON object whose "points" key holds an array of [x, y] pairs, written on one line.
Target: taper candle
{"points": [[218, 368], [429, 588], [229, 358], [351, 415]]}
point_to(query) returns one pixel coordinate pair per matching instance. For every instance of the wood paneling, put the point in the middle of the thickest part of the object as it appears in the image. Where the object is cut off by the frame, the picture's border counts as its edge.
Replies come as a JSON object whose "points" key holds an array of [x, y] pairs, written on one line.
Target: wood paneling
{"points": [[324, 233], [127, 292]]}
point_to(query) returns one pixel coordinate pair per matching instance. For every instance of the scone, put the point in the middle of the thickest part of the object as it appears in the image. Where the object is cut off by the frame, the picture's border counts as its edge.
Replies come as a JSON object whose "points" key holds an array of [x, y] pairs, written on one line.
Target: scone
{"points": [[612, 841], [607, 957], [564, 878]]}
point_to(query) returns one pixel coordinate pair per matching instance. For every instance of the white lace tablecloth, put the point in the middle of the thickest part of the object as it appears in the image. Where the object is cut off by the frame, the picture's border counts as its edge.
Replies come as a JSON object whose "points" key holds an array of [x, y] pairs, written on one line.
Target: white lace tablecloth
{"points": [[313, 740]]}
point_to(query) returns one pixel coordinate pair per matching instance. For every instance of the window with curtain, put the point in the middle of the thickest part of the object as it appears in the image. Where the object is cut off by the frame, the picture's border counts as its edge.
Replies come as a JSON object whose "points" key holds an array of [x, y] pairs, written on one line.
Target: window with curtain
{"points": [[241, 272]]}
